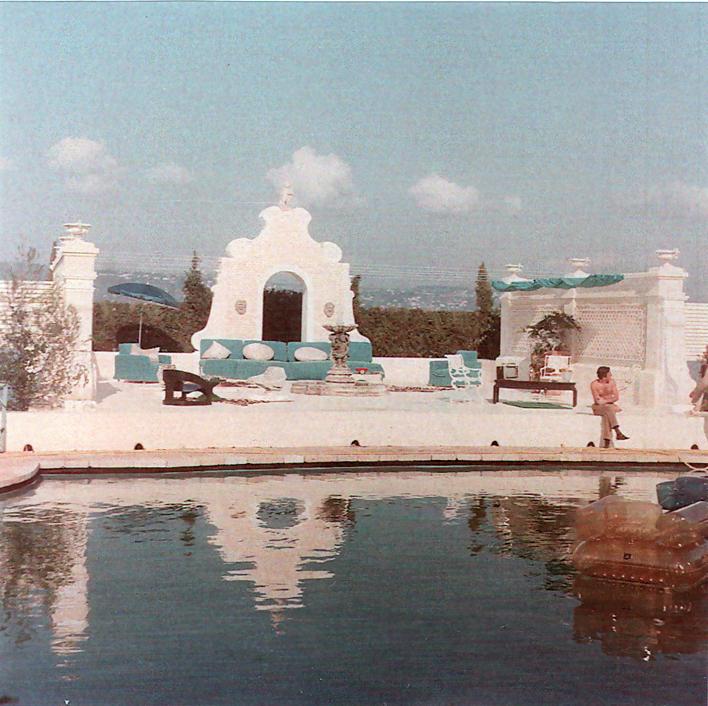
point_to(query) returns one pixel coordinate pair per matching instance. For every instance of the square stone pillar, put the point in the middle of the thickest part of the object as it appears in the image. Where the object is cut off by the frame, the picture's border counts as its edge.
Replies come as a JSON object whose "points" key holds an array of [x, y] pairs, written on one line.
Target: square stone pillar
{"points": [[74, 270], [666, 334]]}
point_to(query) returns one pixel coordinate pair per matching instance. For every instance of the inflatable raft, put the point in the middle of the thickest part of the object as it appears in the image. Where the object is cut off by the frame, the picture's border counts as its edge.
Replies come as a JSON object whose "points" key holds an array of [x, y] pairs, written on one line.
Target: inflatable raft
{"points": [[635, 542]]}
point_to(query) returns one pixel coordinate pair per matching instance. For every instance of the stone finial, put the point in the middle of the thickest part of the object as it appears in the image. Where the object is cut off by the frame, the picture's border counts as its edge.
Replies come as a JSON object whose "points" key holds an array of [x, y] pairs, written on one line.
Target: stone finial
{"points": [[513, 275], [76, 230], [667, 256], [578, 263], [286, 196]]}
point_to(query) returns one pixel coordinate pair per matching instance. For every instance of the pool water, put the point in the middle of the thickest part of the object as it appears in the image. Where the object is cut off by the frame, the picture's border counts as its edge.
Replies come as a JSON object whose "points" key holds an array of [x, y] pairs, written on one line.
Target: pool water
{"points": [[414, 587]]}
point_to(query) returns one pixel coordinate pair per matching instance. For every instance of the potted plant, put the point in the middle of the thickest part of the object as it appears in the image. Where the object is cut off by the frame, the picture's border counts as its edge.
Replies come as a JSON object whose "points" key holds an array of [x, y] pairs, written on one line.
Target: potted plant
{"points": [[547, 335]]}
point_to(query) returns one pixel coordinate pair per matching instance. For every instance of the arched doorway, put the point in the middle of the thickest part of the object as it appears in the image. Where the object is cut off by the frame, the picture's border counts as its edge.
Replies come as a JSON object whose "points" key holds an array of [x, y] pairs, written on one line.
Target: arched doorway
{"points": [[283, 298]]}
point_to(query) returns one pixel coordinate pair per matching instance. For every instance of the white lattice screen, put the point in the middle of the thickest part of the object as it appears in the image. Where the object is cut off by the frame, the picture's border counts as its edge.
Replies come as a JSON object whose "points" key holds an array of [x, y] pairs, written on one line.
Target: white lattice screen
{"points": [[523, 316], [611, 333]]}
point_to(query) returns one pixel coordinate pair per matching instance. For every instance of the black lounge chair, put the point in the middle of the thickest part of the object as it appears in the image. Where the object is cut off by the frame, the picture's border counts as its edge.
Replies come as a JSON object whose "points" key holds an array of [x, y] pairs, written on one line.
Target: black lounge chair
{"points": [[185, 383]]}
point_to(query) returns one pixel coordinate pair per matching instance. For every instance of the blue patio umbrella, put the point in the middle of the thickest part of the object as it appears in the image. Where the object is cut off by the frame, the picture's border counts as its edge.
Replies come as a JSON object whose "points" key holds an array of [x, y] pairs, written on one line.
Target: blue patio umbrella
{"points": [[148, 295]]}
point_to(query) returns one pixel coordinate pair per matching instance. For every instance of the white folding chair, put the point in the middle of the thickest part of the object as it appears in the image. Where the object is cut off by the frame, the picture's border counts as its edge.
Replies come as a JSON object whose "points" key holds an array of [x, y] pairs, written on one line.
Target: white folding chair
{"points": [[463, 377], [556, 368]]}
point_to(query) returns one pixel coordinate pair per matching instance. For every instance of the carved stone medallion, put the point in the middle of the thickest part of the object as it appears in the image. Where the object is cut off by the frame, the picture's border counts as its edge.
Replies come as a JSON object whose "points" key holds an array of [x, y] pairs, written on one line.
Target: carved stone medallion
{"points": [[329, 310], [241, 306]]}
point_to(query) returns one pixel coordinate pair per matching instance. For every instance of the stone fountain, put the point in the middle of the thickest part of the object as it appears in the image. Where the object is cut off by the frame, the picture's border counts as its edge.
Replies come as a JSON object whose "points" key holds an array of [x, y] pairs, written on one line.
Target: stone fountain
{"points": [[339, 380]]}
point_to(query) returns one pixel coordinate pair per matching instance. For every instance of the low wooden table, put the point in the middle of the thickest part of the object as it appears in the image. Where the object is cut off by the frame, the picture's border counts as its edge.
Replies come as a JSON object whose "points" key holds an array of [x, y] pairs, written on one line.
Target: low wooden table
{"points": [[533, 385]]}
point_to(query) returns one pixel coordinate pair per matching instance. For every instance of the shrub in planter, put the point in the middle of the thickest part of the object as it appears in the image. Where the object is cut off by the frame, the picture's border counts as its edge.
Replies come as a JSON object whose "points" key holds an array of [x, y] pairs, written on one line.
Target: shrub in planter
{"points": [[551, 333]]}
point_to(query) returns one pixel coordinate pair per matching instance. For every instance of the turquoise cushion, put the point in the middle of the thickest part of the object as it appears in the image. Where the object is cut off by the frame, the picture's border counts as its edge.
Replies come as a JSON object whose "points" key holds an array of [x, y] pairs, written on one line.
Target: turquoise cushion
{"points": [[360, 350], [308, 370], [233, 344], [238, 369], [320, 345], [439, 373], [470, 358], [137, 368], [280, 350]]}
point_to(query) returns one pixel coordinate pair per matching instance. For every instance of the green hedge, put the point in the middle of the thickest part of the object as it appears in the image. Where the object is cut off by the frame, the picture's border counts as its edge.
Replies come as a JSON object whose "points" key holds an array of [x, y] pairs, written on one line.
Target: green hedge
{"points": [[394, 332], [416, 333]]}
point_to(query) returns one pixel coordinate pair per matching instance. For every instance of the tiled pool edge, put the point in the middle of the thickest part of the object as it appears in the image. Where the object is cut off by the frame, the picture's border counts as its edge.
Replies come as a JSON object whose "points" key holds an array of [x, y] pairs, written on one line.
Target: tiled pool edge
{"points": [[17, 470], [18, 473]]}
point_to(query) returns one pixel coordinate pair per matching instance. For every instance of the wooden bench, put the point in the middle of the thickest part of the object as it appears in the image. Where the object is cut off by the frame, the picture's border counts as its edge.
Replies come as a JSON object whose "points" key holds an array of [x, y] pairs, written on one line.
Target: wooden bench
{"points": [[533, 385]]}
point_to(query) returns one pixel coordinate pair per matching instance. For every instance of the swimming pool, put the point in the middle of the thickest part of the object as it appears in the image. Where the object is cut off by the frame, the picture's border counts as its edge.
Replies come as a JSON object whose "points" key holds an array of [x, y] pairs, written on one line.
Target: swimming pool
{"points": [[410, 587]]}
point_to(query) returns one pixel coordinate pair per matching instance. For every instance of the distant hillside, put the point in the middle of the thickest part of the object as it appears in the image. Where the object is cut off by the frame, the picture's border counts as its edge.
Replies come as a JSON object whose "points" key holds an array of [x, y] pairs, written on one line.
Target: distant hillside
{"points": [[421, 297]]}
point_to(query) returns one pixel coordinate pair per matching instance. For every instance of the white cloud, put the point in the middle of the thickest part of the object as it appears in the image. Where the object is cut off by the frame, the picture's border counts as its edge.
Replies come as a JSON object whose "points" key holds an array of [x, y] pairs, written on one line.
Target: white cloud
{"points": [[680, 199], [86, 164], [169, 173], [317, 179], [434, 193], [5, 164]]}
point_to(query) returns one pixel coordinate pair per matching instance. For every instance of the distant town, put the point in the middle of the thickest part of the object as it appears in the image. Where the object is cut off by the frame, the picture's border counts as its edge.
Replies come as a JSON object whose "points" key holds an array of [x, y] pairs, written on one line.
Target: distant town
{"points": [[422, 296]]}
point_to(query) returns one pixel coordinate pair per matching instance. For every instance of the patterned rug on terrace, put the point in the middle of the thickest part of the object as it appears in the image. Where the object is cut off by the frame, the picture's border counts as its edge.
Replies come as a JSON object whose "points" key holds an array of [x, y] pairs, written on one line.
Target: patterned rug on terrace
{"points": [[530, 404]]}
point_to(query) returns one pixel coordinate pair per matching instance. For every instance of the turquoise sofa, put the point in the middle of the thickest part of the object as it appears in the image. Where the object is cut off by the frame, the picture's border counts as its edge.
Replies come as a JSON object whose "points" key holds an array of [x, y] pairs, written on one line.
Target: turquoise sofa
{"points": [[137, 368], [236, 367], [439, 370]]}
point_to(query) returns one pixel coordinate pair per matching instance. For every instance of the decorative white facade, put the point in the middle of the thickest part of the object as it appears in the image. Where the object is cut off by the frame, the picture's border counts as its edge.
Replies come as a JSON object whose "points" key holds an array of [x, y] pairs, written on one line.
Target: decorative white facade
{"points": [[283, 246], [636, 326]]}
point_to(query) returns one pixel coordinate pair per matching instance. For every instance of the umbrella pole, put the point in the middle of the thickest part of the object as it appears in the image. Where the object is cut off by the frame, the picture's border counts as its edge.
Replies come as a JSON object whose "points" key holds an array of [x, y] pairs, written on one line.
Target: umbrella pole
{"points": [[140, 329]]}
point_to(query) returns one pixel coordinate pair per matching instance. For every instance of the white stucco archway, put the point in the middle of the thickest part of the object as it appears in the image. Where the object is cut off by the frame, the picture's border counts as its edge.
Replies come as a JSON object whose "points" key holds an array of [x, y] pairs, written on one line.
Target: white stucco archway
{"points": [[284, 245]]}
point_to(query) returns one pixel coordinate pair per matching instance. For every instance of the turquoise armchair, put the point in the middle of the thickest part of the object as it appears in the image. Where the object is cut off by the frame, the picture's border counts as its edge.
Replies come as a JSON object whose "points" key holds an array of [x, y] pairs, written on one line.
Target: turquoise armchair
{"points": [[137, 368]]}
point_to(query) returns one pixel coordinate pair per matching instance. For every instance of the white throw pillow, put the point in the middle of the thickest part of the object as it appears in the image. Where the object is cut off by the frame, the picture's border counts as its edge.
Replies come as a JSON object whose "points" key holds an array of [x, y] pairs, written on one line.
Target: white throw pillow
{"points": [[309, 353], [151, 353], [274, 376], [258, 351], [216, 351]]}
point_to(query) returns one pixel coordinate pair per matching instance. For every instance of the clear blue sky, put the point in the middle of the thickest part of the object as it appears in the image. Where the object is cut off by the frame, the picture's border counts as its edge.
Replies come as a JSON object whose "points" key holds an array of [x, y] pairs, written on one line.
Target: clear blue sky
{"points": [[418, 135]]}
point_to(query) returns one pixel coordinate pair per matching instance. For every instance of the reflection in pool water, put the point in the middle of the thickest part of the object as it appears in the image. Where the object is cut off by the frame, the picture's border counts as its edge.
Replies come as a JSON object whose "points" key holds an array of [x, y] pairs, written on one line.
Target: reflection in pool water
{"points": [[412, 587]]}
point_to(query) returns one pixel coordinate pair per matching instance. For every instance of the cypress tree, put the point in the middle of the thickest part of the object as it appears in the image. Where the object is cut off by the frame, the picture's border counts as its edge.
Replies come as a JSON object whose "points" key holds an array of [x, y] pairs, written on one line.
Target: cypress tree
{"points": [[197, 296], [487, 316], [483, 295]]}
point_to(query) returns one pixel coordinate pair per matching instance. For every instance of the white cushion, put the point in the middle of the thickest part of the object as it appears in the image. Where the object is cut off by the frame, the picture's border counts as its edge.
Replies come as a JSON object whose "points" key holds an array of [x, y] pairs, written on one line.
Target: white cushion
{"points": [[308, 353], [216, 351], [151, 353], [258, 351], [274, 376]]}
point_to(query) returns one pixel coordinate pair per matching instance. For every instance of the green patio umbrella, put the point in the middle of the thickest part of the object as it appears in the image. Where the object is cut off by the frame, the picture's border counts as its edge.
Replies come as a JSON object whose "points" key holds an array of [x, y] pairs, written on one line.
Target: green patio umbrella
{"points": [[530, 285]]}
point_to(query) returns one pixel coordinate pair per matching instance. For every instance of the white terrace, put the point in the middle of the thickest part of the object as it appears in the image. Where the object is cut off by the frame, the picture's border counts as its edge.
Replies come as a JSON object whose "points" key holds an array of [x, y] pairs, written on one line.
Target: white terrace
{"points": [[638, 326]]}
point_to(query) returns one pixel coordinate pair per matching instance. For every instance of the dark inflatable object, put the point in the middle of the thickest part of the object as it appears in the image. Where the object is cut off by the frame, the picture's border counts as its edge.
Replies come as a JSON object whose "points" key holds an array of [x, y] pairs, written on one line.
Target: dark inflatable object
{"points": [[633, 541], [684, 491]]}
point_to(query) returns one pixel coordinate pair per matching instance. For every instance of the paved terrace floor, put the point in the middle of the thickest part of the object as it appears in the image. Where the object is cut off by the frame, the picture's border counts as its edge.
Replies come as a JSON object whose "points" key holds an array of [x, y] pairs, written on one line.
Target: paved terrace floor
{"points": [[127, 414]]}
